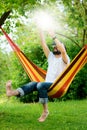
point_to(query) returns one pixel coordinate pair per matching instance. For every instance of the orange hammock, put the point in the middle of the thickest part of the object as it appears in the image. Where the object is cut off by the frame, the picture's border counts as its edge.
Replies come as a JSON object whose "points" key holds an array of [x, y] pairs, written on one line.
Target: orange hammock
{"points": [[62, 83]]}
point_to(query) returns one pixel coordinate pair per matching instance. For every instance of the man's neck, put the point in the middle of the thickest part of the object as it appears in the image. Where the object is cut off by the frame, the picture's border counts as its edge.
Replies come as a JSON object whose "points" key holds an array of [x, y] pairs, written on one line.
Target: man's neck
{"points": [[58, 56]]}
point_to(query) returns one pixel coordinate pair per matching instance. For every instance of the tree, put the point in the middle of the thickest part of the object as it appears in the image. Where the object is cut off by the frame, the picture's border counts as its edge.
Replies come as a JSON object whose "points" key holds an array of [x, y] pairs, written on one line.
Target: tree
{"points": [[76, 17]]}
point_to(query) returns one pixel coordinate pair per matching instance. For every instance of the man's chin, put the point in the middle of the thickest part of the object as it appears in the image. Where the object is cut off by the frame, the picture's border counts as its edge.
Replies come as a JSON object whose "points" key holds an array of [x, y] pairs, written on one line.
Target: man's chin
{"points": [[56, 52]]}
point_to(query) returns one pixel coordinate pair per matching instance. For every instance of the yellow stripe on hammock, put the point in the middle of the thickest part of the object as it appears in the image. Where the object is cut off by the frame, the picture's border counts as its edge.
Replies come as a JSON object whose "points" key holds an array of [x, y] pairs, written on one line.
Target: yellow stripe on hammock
{"points": [[31, 71]]}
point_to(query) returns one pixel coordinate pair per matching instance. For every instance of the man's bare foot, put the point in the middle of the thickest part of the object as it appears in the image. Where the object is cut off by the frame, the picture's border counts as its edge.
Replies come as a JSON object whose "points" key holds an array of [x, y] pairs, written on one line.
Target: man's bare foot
{"points": [[43, 116], [8, 88]]}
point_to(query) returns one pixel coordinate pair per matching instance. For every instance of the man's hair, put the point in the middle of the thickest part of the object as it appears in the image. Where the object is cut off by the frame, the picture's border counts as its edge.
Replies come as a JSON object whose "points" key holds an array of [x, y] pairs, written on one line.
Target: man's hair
{"points": [[54, 44]]}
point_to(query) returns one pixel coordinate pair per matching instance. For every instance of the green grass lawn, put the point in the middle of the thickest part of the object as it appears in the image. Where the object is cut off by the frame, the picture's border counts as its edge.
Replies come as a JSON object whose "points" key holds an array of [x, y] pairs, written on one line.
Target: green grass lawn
{"points": [[69, 115]]}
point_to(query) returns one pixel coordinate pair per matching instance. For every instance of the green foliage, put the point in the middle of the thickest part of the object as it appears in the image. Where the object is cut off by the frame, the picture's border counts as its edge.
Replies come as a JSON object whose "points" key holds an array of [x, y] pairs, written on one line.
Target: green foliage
{"points": [[4, 71], [76, 13], [16, 5]]}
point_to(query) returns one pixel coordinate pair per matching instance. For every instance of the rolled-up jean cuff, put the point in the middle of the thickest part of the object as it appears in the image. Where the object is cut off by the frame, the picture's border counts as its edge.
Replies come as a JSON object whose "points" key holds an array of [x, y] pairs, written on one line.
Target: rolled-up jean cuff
{"points": [[43, 100], [20, 90]]}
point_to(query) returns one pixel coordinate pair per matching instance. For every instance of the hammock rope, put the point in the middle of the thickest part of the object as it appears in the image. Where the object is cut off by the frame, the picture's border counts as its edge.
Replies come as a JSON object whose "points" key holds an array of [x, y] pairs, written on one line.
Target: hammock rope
{"points": [[35, 73]]}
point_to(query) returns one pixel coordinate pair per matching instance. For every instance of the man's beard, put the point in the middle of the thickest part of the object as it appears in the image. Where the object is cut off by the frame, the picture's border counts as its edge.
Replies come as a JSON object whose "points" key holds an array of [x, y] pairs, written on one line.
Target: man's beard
{"points": [[56, 52]]}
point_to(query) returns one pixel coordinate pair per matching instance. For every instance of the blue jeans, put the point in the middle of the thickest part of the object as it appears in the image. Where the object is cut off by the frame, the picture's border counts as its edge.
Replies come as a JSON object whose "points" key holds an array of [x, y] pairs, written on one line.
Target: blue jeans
{"points": [[41, 87]]}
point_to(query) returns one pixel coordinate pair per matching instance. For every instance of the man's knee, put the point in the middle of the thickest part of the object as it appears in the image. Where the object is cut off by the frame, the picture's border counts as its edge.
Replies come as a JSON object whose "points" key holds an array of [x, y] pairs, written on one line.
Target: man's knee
{"points": [[40, 86]]}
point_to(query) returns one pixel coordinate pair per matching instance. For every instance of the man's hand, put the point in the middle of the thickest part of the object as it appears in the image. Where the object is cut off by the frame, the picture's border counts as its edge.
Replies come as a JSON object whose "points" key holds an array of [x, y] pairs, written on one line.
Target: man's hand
{"points": [[51, 33]]}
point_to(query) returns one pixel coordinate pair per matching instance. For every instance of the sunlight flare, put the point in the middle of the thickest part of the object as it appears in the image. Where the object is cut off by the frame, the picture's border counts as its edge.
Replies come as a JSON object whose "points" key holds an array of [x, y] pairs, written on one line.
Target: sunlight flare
{"points": [[44, 20]]}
